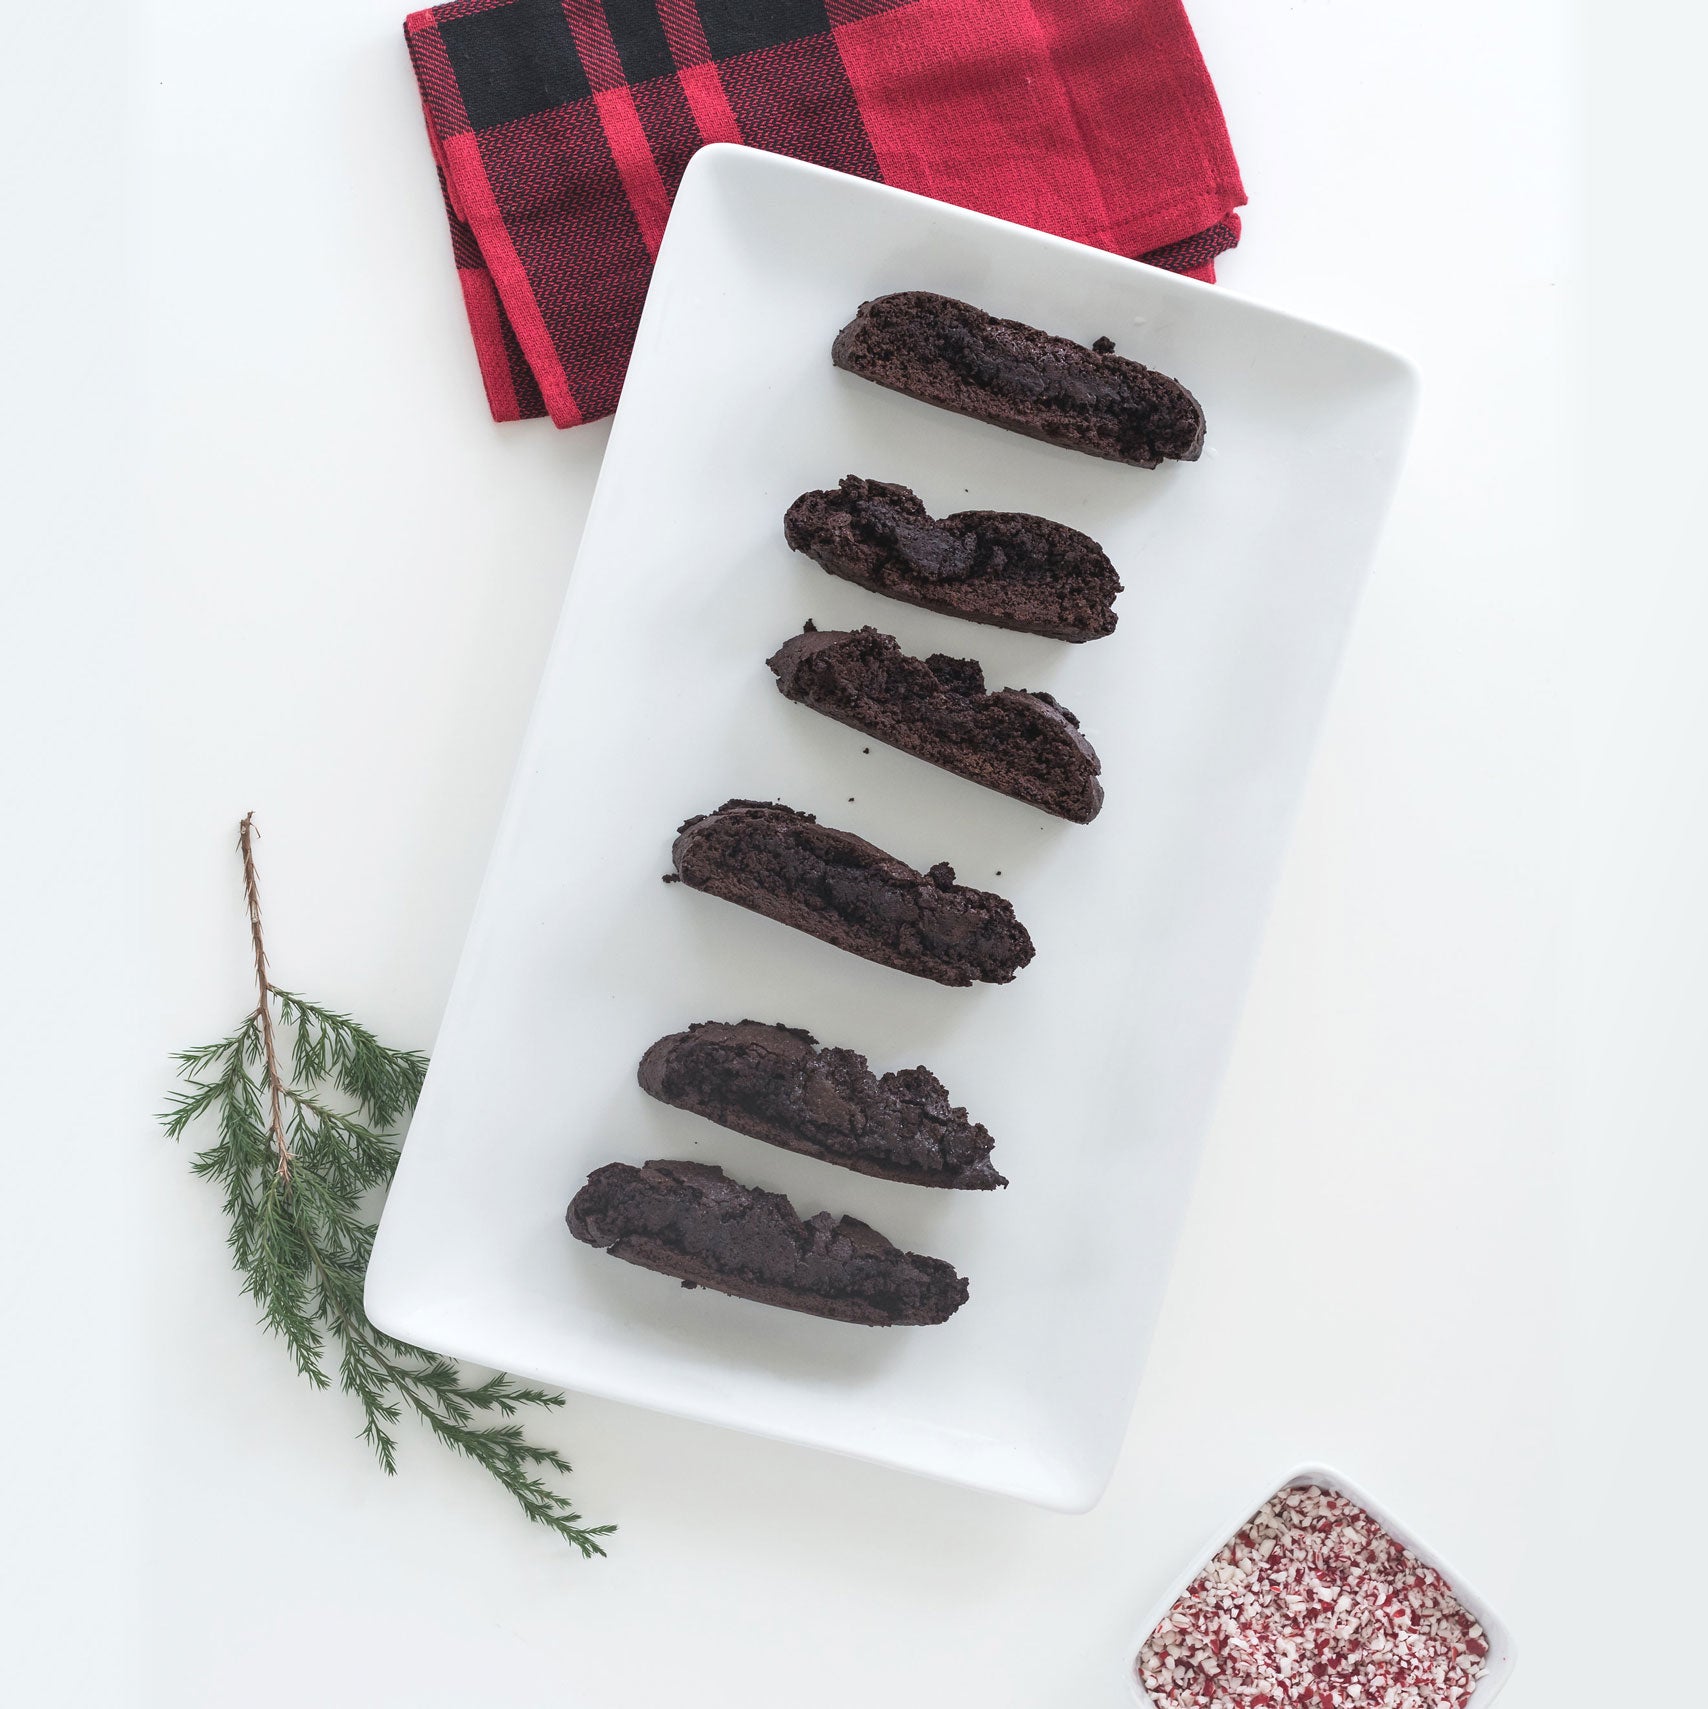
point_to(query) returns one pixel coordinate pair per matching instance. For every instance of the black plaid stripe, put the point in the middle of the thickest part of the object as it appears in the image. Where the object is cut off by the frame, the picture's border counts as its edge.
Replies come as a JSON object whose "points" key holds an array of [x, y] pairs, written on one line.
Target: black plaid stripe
{"points": [[440, 95], [852, 11], [464, 250], [529, 402], [640, 39], [569, 217], [468, 257], [1199, 250], [668, 122], [744, 26], [514, 61], [796, 99]]}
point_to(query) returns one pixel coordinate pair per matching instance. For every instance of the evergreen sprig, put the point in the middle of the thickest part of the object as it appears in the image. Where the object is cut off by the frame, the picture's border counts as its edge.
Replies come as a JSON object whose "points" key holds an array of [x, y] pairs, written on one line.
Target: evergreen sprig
{"points": [[299, 1158]]}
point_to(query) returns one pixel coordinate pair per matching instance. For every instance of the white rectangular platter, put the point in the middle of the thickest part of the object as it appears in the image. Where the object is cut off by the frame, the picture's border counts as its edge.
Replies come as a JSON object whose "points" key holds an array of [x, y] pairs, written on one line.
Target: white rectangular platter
{"points": [[1096, 1068]]}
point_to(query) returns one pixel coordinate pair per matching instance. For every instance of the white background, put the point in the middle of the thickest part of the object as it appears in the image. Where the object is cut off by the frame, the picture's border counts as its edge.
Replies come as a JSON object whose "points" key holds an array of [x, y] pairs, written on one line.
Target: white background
{"points": [[266, 551]]}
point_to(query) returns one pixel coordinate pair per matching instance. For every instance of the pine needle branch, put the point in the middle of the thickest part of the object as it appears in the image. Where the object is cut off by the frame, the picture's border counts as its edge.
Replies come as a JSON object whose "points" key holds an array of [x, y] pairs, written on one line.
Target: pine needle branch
{"points": [[298, 1173]]}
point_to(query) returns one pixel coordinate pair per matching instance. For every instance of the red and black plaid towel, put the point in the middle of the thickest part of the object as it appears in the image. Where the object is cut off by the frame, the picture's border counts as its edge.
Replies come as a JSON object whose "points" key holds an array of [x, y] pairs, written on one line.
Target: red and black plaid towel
{"points": [[561, 129]]}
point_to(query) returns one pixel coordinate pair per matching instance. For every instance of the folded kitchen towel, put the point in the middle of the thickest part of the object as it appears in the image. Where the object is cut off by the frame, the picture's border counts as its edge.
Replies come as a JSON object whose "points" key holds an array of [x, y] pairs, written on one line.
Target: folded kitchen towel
{"points": [[561, 129]]}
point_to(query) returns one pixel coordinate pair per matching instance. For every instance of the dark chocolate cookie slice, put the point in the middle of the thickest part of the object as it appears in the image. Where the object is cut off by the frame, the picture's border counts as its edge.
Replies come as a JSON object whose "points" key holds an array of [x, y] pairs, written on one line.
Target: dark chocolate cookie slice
{"points": [[948, 353], [850, 893], [1021, 743], [990, 566], [779, 1085], [690, 1221]]}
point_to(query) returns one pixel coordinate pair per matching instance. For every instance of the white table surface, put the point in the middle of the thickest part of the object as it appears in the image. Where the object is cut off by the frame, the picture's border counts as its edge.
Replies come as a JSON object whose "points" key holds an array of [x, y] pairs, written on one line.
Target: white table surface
{"points": [[278, 558]]}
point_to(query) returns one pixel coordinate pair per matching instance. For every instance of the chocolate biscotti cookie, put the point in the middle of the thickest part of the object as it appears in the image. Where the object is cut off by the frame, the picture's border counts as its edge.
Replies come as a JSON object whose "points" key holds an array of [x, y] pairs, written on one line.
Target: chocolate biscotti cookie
{"points": [[780, 1085], [951, 354], [1021, 743], [847, 891], [691, 1222], [989, 566]]}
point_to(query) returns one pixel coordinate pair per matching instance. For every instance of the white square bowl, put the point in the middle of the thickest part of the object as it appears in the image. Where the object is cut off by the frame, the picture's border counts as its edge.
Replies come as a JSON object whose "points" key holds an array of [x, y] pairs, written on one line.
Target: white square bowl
{"points": [[1096, 1068], [1501, 1657]]}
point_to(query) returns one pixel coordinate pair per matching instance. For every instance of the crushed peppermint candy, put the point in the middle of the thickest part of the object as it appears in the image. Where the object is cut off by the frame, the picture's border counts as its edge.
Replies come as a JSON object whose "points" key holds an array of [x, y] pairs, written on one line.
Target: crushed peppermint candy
{"points": [[1313, 1605]]}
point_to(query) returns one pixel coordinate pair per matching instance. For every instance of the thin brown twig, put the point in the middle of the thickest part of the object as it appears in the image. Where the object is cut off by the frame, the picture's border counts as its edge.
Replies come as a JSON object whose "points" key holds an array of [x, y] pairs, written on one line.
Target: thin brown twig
{"points": [[264, 1007]]}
